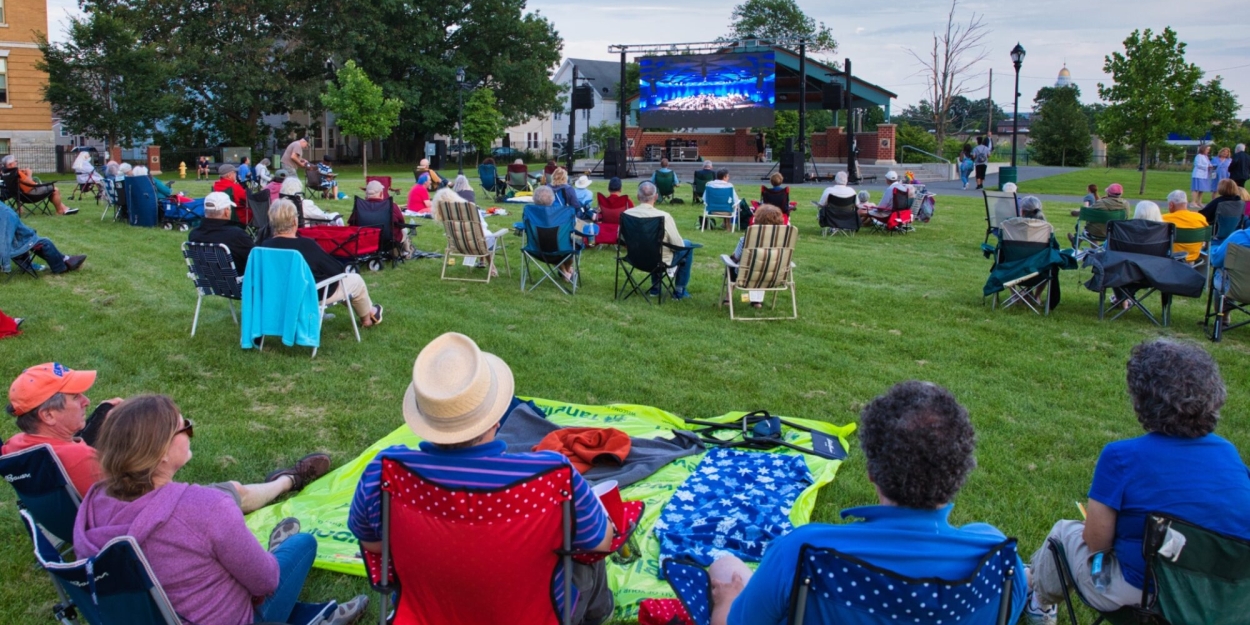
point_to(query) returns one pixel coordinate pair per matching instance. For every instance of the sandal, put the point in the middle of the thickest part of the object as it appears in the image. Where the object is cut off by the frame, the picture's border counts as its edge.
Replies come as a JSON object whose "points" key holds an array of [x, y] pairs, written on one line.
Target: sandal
{"points": [[375, 317]]}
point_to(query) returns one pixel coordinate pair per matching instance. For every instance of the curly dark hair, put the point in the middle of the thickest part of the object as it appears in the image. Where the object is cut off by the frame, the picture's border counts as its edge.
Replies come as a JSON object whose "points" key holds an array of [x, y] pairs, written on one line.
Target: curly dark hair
{"points": [[919, 444], [1176, 388]]}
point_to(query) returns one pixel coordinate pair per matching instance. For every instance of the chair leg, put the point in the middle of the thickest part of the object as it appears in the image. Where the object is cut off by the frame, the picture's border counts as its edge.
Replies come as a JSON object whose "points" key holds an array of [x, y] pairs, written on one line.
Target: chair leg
{"points": [[196, 319], [504, 252], [351, 312], [1062, 568]]}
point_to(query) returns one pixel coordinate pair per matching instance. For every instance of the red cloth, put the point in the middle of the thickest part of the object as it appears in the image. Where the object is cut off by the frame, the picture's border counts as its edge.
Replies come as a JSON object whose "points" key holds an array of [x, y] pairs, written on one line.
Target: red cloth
{"points": [[663, 612], [8, 327], [586, 447]]}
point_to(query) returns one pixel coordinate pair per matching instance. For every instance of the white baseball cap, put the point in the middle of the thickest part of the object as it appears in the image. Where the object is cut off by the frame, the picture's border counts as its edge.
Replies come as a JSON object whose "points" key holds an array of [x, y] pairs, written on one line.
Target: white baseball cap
{"points": [[891, 175], [218, 201]]}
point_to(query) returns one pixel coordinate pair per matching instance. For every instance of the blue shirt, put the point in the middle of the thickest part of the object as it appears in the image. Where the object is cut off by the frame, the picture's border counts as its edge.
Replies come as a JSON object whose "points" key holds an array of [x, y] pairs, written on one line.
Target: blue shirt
{"points": [[910, 542], [245, 172], [1201, 480], [483, 466], [1240, 237]]}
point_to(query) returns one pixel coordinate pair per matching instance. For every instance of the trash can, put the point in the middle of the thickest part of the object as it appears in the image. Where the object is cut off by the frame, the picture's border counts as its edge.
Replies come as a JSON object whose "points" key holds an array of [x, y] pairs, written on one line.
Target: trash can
{"points": [[1005, 175]]}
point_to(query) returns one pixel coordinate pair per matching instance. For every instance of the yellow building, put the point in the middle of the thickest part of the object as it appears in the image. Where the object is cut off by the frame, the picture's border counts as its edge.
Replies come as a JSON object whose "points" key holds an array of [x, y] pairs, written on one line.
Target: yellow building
{"points": [[25, 118]]}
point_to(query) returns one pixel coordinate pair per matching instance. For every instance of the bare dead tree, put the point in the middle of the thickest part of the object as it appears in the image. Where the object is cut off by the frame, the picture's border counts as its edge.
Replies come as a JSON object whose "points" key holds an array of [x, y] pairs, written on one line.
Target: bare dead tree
{"points": [[947, 67]]}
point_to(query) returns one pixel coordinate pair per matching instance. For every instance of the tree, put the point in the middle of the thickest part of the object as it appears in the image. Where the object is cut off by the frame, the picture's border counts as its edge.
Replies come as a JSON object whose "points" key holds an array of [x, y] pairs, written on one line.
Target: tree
{"points": [[916, 137], [779, 19], [359, 107], [1151, 93], [947, 67], [1214, 109], [1059, 134], [482, 121], [104, 82]]}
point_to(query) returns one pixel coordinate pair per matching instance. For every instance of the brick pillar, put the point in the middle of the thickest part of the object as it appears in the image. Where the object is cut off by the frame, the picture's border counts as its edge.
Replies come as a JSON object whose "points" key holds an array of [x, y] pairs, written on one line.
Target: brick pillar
{"points": [[885, 142], [744, 144], [835, 141], [115, 154], [154, 159]]}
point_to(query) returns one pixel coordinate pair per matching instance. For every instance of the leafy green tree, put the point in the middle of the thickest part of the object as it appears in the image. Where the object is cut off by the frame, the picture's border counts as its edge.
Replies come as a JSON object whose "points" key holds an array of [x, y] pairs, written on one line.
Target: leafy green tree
{"points": [[482, 121], [780, 19], [360, 108], [1060, 134], [1151, 93], [1214, 109], [104, 82], [917, 137]]}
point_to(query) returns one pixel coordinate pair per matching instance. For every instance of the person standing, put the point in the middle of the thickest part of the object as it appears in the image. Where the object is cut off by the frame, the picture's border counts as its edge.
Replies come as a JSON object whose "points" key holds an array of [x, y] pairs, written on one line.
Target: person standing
{"points": [[965, 165], [759, 146], [1203, 168], [293, 157], [1222, 162], [981, 159], [1239, 168]]}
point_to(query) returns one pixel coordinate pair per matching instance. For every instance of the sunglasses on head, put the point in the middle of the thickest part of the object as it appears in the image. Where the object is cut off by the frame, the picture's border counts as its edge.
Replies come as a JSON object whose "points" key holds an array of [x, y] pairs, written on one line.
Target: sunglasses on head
{"points": [[187, 426]]}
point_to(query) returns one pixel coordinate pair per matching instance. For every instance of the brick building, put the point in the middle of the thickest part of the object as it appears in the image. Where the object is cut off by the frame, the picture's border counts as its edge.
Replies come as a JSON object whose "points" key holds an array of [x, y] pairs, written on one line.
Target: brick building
{"points": [[25, 118]]}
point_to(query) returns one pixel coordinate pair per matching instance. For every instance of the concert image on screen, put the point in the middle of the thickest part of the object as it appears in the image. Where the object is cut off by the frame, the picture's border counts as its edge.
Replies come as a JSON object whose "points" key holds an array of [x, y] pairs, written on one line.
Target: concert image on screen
{"points": [[709, 90]]}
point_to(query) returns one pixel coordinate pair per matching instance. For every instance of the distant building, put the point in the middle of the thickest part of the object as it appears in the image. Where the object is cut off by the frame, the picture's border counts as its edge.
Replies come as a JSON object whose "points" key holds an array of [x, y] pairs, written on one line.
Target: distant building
{"points": [[25, 118], [538, 133], [1004, 125], [1065, 78]]}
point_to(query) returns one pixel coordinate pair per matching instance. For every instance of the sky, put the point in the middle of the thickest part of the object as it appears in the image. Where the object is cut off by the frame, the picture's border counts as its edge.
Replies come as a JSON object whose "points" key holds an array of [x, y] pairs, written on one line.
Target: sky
{"points": [[1079, 33]]}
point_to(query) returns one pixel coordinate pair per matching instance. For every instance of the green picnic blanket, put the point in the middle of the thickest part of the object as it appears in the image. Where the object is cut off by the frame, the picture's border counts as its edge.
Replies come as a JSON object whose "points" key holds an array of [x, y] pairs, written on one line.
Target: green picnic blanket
{"points": [[322, 507]]}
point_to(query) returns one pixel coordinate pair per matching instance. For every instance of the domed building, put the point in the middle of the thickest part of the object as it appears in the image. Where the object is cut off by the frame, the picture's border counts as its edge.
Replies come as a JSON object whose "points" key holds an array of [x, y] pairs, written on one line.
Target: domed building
{"points": [[1065, 77]]}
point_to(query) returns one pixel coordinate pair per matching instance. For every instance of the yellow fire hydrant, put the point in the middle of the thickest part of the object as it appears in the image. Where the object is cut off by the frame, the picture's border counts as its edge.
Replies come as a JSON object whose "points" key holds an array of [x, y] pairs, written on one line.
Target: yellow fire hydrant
{"points": [[182, 169]]}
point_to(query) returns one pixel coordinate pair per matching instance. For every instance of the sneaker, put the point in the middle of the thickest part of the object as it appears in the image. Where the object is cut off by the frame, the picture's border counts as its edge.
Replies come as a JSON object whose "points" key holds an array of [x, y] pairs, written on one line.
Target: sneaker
{"points": [[654, 292], [306, 471], [682, 294], [18, 321], [75, 262], [1039, 616], [70, 211], [350, 612], [965, 186], [285, 529]]}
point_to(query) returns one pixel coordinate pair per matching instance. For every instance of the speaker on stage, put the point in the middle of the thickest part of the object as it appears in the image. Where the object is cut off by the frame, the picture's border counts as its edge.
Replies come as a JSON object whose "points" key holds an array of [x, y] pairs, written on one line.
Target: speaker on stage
{"points": [[583, 97], [613, 163], [831, 97], [791, 166], [612, 146]]}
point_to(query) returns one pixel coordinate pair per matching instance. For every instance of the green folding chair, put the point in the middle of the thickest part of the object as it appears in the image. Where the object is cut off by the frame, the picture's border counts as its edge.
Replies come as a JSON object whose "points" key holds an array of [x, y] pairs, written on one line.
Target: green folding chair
{"points": [[665, 184], [701, 178], [1194, 235]]}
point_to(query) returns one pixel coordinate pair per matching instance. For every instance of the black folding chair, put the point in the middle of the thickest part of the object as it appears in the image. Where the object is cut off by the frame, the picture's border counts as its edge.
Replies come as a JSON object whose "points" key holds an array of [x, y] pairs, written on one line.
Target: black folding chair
{"points": [[378, 214], [1139, 236], [641, 249], [258, 201], [39, 198], [838, 216]]}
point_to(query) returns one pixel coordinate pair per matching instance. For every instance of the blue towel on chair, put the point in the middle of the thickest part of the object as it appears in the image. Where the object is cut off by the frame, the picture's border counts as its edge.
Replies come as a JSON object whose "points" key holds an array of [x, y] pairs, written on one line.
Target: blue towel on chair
{"points": [[280, 299]]}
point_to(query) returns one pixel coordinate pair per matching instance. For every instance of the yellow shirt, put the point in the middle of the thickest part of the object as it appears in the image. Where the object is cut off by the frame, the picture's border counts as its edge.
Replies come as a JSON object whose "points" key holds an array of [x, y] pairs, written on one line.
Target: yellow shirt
{"points": [[1185, 219]]}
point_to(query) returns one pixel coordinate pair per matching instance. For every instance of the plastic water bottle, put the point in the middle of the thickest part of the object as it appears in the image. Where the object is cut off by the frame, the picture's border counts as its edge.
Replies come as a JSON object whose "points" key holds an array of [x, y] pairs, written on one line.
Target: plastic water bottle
{"points": [[1102, 577]]}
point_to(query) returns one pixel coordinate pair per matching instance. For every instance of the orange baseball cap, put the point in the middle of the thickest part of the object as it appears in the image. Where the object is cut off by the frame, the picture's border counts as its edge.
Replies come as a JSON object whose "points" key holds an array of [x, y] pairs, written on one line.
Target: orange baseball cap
{"points": [[40, 382]]}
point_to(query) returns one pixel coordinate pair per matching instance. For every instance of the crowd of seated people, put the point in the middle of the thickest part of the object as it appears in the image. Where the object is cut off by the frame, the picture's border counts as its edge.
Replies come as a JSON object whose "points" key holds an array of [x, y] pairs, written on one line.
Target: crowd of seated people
{"points": [[706, 102]]}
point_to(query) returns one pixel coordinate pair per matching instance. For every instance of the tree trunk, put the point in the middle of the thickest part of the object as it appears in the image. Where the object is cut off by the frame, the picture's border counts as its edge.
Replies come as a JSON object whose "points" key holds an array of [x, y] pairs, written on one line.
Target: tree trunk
{"points": [[1063, 157], [1142, 189]]}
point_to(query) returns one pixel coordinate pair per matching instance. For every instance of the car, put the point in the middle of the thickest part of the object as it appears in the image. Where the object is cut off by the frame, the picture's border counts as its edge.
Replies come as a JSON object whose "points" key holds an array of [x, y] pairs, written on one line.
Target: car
{"points": [[506, 153]]}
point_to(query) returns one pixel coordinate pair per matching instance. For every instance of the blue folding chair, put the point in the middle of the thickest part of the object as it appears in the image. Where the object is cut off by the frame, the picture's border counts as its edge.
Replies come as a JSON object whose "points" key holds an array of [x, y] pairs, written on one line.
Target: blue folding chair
{"points": [[117, 586], [719, 203], [549, 244], [140, 201], [489, 176], [48, 503], [833, 587]]}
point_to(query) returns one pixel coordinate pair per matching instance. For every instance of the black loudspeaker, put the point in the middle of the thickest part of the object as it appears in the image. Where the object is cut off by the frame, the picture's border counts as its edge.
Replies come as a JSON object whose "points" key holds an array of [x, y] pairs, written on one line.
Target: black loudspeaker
{"points": [[583, 97], [831, 97], [791, 167], [440, 154], [789, 145], [610, 159], [612, 144], [507, 141]]}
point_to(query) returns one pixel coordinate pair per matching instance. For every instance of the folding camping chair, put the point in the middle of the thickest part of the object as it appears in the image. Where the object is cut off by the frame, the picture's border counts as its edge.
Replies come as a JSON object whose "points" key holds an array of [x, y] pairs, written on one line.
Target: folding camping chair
{"points": [[838, 215], [719, 204], [1139, 236], [1193, 235], [780, 199], [140, 202], [353, 245], [1230, 216], [489, 176], [267, 285], [699, 183], [1233, 293], [666, 186], [25, 262], [48, 503], [610, 209], [40, 200], [999, 207], [258, 201], [900, 218], [641, 248], [1022, 239], [114, 199], [549, 232], [519, 181], [428, 528], [1204, 583], [834, 587], [462, 223], [210, 266], [1091, 228], [767, 252], [385, 181], [313, 181], [366, 214]]}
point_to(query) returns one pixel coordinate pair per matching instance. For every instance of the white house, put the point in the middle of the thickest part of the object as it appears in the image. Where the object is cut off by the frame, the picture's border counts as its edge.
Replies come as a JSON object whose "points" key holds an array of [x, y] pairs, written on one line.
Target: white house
{"points": [[538, 133]]}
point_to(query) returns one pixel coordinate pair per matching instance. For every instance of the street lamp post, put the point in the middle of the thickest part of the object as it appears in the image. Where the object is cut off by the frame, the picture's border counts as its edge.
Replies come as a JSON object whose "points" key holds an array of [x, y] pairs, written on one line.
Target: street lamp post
{"points": [[1017, 59], [460, 120]]}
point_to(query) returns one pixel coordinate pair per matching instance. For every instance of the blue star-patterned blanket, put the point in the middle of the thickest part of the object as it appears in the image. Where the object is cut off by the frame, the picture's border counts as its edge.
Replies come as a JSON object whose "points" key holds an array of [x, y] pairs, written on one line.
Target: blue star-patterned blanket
{"points": [[735, 502]]}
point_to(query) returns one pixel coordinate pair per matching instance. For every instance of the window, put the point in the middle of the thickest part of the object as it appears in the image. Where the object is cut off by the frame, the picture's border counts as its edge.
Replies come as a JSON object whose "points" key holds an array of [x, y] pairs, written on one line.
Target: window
{"points": [[64, 132], [558, 114], [329, 141], [2, 20], [318, 141], [4, 146], [4, 79]]}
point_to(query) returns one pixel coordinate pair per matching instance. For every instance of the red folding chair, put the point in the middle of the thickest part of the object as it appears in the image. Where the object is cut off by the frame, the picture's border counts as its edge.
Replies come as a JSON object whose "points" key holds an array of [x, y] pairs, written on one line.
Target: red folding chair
{"points": [[384, 180], [610, 209]]}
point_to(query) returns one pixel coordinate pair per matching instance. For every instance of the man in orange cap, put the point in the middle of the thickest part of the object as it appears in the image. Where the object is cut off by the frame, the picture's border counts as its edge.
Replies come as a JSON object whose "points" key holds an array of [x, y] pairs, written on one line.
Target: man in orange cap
{"points": [[50, 404]]}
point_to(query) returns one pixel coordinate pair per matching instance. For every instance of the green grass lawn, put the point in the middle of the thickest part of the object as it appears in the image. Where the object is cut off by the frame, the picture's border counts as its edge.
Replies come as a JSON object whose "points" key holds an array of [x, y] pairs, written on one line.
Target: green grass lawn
{"points": [[1045, 394], [1158, 183]]}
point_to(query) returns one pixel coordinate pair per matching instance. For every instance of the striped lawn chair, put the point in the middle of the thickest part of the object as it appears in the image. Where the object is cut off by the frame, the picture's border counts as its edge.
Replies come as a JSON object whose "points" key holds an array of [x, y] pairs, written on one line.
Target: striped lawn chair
{"points": [[465, 238], [766, 265]]}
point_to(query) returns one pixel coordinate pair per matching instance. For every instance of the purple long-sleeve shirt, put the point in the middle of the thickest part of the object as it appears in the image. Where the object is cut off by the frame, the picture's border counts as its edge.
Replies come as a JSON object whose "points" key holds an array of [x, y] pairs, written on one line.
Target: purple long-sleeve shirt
{"points": [[194, 537]]}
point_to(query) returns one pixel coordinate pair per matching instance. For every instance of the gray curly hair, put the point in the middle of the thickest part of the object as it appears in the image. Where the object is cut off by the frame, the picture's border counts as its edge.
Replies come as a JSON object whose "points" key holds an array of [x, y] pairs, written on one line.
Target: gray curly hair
{"points": [[919, 444], [1176, 388]]}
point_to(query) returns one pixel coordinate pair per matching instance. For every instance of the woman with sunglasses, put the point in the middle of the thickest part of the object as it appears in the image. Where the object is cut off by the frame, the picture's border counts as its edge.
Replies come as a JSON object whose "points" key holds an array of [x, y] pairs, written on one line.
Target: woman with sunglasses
{"points": [[206, 559]]}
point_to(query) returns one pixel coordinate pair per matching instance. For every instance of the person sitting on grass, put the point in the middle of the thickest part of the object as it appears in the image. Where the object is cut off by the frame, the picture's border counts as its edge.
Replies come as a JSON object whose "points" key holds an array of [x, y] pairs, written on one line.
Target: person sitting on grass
{"points": [[209, 565], [465, 190], [455, 402], [681, 261], [1177, 392], [284, 221], [419, 198], [216, 228], [16, 239], [377, 196], [432, 179], [765, 215], [1091, 196], [918, 445], [1147, 210], [1179, 214], [34, 191], [50, 404]]}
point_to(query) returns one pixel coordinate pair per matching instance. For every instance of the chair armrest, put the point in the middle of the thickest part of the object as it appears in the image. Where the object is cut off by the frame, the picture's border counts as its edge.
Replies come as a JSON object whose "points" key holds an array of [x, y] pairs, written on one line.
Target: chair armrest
{"points": [[331, 280], [500, 232], [729, 262]]}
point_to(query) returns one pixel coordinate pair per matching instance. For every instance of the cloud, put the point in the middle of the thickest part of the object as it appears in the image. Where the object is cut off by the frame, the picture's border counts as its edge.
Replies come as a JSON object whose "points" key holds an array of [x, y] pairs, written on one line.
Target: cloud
{"points": [[859, 30]]}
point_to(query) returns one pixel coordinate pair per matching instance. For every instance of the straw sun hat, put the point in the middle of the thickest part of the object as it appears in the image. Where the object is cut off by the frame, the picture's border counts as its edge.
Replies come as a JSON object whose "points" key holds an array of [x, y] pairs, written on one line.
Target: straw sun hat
{"points": [[458, 392]]}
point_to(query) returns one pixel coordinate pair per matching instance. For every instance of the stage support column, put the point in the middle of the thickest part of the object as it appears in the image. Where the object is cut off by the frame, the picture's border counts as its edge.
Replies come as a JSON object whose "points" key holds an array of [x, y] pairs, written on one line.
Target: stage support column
{"points": [[568, 141], [852, 167], [624, 106], [803, 101]]}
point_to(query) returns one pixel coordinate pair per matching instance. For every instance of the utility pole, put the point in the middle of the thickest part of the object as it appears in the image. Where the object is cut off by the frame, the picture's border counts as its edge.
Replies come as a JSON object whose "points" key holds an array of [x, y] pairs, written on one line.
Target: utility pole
{"points": [[852, 168], [624, 110], [568, 141], [989, 101], [803, 104]]}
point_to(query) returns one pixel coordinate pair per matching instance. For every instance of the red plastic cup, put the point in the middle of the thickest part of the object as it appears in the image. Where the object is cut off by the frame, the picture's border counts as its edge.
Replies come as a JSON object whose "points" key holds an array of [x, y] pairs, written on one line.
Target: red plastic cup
{"points": [[609, 496]]}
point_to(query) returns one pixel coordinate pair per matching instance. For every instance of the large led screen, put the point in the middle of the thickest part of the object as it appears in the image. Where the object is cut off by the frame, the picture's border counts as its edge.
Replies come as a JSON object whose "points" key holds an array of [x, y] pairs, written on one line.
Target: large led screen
{"points": [[709, 90]]}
